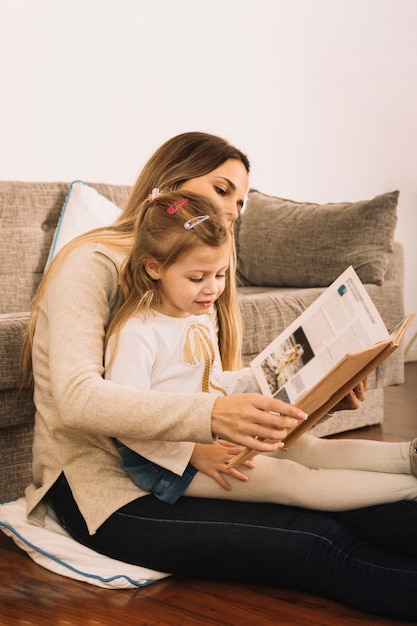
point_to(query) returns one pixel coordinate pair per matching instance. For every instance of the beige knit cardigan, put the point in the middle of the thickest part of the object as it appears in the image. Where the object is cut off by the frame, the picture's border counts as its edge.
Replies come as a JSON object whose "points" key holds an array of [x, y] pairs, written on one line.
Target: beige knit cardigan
{"points": [[78, 413]]}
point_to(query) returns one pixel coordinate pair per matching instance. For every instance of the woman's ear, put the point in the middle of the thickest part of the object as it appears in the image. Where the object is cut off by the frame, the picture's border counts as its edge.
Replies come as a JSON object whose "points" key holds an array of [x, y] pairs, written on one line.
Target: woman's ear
{"points": [[153, 269]]}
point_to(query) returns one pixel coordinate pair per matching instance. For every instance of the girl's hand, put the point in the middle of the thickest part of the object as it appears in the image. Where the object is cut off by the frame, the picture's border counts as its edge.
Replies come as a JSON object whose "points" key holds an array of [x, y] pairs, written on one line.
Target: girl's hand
{"points": [[248, 419], [212, 459]]}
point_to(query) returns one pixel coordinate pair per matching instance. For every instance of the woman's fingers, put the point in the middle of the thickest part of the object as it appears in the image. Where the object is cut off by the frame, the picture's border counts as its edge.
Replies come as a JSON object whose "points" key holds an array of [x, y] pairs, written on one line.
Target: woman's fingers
{"points": [[361, 389], [254, 420], [354, 398]]}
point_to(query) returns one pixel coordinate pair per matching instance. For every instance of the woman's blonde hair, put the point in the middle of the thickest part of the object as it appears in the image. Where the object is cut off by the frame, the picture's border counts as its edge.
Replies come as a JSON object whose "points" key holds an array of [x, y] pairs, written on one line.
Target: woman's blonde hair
{"points": [[181, 158], [168, 228]]}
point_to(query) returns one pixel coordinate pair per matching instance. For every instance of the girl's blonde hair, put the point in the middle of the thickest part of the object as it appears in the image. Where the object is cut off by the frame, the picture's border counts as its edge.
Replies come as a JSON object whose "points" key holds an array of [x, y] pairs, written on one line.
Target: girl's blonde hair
{"points": [[181, 158], [168, 228]]}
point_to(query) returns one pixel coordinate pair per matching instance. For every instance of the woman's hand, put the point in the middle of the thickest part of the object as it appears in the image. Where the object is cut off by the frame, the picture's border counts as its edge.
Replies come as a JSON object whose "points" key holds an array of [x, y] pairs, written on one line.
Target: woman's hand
{"points": [[212, 459], [354, 398], [250, 418]]}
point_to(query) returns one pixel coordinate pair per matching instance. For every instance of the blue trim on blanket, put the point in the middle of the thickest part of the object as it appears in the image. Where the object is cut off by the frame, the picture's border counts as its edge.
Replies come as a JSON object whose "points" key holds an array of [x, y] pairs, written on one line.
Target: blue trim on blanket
{"points": [[70, 567]]}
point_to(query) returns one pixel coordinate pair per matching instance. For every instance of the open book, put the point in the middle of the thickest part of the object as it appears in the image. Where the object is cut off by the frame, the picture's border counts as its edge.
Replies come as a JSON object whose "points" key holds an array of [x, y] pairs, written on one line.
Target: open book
{"points": [[331, 347]]}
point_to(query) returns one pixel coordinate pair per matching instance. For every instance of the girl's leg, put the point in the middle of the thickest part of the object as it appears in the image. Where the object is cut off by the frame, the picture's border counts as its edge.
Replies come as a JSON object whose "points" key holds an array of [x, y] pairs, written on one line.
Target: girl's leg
{"points": [[266, 543], [285, 482], [362, 454]]}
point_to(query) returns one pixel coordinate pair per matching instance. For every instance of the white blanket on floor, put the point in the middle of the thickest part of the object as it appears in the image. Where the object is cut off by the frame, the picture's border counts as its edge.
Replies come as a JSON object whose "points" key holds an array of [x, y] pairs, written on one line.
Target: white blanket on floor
{"points": [[53, 548]]}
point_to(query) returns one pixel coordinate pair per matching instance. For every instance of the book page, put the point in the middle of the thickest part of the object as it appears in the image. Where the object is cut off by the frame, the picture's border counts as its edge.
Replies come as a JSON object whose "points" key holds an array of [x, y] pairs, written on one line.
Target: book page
{"points": [[343, 319]]}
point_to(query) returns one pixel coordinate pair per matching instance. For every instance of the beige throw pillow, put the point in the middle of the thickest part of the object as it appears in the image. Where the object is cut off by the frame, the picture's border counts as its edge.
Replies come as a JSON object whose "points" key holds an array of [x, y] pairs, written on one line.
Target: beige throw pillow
{"points": [[302, 244]]}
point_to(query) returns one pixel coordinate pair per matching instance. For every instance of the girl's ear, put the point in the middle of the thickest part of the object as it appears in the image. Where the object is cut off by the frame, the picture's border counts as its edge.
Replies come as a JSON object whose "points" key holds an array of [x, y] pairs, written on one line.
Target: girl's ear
{"points": [[153, 269]]}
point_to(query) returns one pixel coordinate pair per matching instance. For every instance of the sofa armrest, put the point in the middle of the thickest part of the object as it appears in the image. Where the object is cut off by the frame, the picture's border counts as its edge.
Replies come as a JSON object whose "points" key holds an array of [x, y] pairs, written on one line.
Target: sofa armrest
{"points": [[12, 328]]}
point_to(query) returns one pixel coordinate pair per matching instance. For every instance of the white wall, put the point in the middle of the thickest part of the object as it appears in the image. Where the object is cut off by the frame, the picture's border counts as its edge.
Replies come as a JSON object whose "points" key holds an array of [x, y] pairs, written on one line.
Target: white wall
{"points": [[322, 94]]}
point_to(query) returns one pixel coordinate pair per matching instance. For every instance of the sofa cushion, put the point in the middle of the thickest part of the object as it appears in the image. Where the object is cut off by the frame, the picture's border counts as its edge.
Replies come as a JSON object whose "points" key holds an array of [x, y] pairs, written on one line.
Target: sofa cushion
{"points": [[84, 209], [28, 216], [284, 243], [29, 213]]}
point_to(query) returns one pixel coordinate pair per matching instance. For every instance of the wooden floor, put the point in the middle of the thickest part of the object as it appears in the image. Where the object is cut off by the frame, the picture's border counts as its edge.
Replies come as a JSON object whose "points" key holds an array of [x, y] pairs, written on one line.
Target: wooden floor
{"points": [[31, 595]]}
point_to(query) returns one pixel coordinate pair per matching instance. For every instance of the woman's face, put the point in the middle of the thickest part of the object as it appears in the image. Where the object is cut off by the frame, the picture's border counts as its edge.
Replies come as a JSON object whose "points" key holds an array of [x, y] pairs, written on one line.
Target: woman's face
{"points": [[227, 186]]}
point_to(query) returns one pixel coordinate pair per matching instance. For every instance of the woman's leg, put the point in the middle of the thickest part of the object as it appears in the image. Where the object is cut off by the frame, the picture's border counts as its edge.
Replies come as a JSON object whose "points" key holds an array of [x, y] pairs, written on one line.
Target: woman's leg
{"points": [[286, 482], [391, 526], [266, 543]]}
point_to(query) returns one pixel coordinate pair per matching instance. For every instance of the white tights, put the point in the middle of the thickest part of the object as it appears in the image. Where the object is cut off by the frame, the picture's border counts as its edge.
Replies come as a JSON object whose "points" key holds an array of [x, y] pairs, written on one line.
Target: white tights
{"points": [[322, 474]]}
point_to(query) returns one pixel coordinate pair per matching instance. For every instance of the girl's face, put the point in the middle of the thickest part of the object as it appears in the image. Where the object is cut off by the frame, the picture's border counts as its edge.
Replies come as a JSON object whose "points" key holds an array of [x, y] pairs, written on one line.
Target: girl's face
{"points": [[227, 186], [192, 284]]}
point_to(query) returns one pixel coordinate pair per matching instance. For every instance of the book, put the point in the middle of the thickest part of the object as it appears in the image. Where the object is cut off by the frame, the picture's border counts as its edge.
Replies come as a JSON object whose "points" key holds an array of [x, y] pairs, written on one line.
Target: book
{"points": [[329, 349]]}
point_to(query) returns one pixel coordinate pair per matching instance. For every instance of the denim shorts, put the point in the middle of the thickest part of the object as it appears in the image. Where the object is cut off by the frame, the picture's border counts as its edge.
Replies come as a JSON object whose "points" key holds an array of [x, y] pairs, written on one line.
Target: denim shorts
{"points": [[161, 482]]}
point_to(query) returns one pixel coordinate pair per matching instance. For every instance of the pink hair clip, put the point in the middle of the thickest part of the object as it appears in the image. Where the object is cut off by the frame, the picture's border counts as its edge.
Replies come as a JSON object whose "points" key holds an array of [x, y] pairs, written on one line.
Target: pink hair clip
{"points": [[154, 194], [195, 220], [176, 206]]}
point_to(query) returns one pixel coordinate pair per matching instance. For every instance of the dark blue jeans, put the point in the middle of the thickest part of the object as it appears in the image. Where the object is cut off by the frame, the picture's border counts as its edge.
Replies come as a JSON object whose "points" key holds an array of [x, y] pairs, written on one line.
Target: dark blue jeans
{"points": [[366, 558]]}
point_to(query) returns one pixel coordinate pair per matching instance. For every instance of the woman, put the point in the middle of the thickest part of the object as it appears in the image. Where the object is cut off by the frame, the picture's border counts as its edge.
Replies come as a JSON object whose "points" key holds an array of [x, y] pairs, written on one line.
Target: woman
{"points": [[347, 556]]}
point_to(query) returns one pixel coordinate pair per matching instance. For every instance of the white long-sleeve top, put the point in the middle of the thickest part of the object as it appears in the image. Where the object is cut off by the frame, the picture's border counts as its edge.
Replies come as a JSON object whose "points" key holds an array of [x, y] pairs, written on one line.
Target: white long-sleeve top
{"points": [[170, 354]]}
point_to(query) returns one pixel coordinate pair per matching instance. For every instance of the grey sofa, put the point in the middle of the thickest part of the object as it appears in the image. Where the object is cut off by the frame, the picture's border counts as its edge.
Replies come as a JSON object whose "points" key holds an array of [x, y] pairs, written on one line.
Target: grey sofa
{"points": [[29, 213]]}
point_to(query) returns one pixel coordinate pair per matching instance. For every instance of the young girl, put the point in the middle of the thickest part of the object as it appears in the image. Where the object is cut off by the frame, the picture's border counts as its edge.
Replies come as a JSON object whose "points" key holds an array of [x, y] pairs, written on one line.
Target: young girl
{"points": [[162, 339]]}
